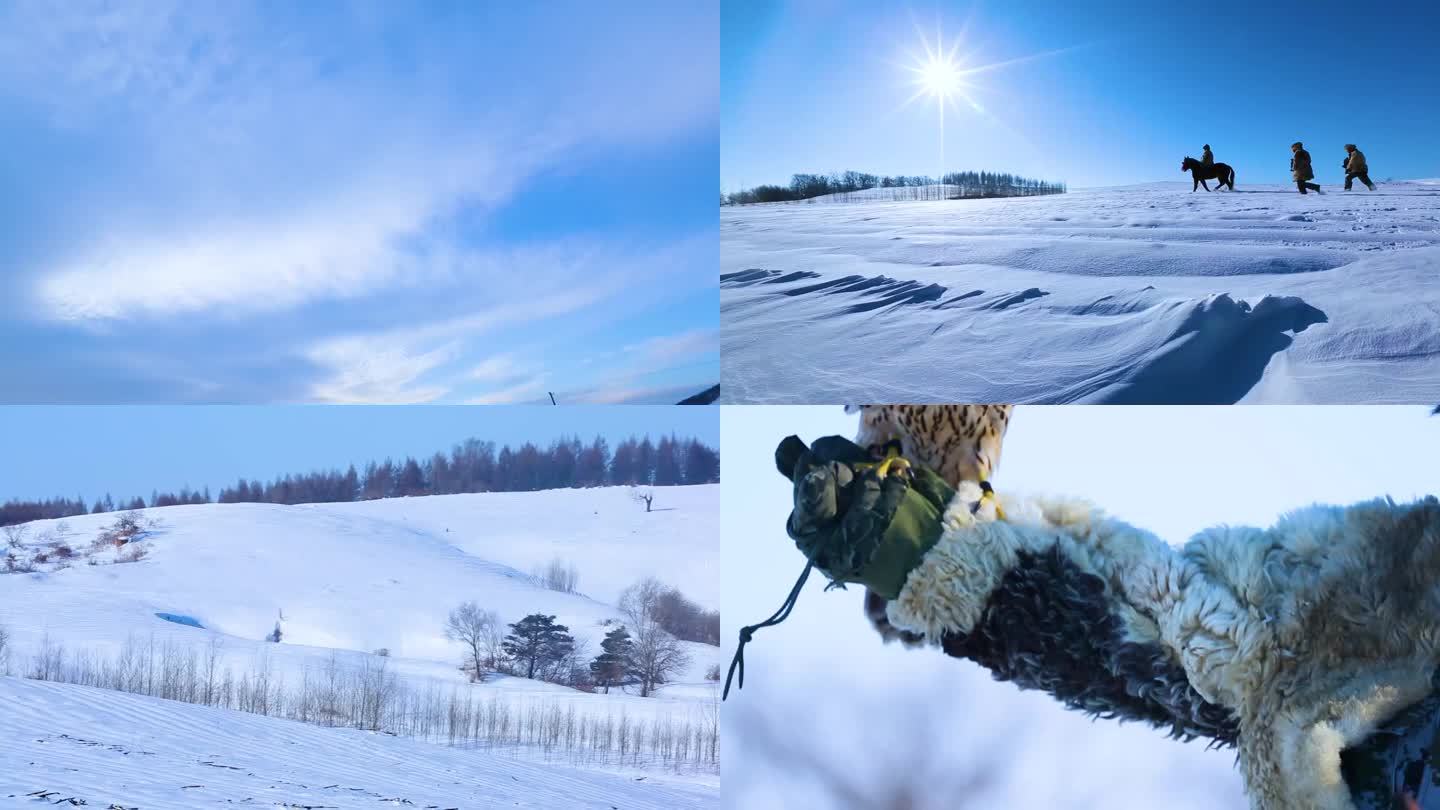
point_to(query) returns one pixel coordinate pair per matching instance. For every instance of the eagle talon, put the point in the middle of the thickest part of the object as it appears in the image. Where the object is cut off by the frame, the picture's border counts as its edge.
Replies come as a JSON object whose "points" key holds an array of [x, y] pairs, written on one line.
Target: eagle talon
{"points": [[891, 462], [988, 494], [894, 465]]}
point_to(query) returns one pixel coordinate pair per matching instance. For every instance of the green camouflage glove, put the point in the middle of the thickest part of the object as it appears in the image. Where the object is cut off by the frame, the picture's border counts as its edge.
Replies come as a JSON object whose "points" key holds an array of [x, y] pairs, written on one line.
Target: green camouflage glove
{"points": [[853, 525]]}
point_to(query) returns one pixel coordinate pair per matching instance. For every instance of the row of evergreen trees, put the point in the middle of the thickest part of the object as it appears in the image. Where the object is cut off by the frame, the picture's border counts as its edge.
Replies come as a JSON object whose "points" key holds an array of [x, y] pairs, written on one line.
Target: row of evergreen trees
{"points": [[970, 183], [472, 466]]}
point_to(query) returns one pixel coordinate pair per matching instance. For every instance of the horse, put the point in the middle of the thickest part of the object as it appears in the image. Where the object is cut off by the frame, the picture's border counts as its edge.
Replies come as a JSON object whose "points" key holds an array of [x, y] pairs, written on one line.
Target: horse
{"points": [[1199, 172]]}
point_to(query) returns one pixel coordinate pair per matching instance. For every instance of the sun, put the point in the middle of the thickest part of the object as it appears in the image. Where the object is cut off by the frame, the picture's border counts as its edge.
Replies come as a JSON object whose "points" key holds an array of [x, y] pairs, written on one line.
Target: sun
{"points": [[940, 77], [938, 72]]}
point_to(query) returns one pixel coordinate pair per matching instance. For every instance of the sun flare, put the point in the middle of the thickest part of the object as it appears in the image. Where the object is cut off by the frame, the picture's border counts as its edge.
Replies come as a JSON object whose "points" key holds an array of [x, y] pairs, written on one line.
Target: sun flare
{"points": [[940, 77], [938, 72]]}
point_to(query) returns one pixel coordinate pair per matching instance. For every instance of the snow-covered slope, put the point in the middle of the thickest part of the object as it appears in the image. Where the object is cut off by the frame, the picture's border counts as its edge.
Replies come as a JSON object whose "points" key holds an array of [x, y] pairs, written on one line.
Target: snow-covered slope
{"points": [[1145, 293], [350, 579], [108, 749], [602, 531]]}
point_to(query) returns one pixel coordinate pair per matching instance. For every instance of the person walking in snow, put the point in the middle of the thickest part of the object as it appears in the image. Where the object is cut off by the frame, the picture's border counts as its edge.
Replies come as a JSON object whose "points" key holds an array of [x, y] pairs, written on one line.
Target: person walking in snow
{"points": [[1207, 157], [1300, 168], [1355, 166]]}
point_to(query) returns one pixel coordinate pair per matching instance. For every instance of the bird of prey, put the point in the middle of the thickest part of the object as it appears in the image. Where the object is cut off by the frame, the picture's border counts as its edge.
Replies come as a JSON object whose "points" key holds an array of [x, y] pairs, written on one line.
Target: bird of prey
{"points": [[958, 442]]}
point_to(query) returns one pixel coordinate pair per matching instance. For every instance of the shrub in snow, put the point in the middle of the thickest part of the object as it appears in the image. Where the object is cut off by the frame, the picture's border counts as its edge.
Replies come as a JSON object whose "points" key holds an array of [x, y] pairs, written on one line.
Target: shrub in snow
{"points": [[713, 673], [559, 575], [125, 529], [383, 652], [275, 635], [132, 554], [14, 535]]}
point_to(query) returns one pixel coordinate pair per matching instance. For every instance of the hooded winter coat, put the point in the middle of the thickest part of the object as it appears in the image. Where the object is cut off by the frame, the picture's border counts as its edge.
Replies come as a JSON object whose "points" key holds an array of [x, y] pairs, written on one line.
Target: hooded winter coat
{"points": [[1207, 157], [1356, 164], [1300, 166]]}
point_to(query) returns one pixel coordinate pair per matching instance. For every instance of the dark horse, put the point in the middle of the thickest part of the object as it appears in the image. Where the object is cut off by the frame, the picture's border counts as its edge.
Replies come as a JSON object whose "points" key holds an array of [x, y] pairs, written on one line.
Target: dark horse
{"points": [[1199, 172]]}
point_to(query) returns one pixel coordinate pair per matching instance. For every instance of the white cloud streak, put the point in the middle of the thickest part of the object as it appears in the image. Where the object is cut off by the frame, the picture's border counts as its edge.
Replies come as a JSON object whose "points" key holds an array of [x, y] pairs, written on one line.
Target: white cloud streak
{"points": [[261, 179]]}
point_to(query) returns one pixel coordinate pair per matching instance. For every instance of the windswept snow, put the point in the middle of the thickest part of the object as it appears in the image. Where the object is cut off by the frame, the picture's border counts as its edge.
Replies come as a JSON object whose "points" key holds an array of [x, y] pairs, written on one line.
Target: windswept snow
{"points": [[109, 749], [1144, 293]]}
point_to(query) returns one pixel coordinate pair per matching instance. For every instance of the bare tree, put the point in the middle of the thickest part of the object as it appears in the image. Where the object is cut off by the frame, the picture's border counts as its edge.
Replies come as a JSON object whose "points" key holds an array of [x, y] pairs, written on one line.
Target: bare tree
{"points": [[559, 575], [4, 651], [478, 630], [642, 495], [14, 535], [212, 660], [655, 655]]}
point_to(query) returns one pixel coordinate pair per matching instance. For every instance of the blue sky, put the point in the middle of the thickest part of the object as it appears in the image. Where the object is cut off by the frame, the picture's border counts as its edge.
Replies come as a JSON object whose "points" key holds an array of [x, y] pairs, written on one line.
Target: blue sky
{"points": [[1095, 93], [357, 202], [131, 450]]}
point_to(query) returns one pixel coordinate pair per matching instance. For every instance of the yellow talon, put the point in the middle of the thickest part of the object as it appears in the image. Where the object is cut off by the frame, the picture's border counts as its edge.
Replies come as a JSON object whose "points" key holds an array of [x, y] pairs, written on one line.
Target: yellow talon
{"points": [[989, 495], [897, 462]]}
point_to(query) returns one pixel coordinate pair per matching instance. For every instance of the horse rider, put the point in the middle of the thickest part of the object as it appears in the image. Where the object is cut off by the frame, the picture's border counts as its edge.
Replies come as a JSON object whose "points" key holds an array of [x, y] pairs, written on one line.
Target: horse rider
{"points": [[1207, 157], [1355, 166], [1300, 168]]}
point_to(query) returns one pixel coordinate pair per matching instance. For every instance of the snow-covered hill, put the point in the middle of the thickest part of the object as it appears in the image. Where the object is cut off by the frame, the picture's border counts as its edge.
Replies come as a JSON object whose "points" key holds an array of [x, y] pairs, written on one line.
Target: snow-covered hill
{"points": [[350, 579], [1145, 293], [108, 749]]}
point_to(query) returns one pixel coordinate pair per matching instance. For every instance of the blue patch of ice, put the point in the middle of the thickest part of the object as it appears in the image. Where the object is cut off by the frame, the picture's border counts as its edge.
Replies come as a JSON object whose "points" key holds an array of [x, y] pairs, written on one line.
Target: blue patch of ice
{"points": [[188, 621]]}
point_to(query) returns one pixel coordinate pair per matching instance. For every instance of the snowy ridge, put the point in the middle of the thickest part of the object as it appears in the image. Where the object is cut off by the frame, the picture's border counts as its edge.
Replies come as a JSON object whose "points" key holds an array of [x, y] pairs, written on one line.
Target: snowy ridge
{"points": [[350, 579], [98, 746], [1101, 295]]}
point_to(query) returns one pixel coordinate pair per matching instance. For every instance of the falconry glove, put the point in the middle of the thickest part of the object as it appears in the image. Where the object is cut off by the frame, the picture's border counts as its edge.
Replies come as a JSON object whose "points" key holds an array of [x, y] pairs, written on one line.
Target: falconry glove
{"points": [[856, 519]]}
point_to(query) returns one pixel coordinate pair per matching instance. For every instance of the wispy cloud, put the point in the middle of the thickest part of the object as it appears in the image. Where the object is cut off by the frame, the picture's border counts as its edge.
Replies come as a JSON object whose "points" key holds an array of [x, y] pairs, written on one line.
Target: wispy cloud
{"points": [[367, 371], [667, 349], [385, 366], [565, 281], [329, 174], [528, 388], [344, 245], [497, 368]]}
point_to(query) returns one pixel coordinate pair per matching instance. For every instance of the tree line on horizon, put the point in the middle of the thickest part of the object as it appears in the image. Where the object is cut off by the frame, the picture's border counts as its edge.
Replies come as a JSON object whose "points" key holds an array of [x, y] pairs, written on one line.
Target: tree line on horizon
{"points": [[967, 184], [471, 466]]}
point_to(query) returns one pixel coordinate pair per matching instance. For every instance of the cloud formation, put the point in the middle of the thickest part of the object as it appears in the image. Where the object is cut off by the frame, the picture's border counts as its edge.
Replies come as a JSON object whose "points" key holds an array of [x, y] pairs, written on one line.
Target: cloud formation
{"points": [[328, 175]]}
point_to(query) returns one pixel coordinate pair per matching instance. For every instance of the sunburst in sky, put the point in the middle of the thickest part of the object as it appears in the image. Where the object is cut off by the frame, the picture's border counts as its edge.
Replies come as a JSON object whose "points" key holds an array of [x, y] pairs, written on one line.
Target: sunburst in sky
{"points": [[945, 75]]}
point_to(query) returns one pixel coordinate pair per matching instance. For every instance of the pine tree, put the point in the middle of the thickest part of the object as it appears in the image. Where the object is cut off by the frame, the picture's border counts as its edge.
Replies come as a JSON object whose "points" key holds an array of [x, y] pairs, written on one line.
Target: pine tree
{"points": [[611, 666], [538, 642]]}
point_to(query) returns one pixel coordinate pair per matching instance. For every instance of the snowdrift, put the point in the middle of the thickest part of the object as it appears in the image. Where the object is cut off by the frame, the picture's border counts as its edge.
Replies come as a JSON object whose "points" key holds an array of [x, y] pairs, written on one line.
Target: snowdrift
{"points": [[1137, 294], [59, 741]]}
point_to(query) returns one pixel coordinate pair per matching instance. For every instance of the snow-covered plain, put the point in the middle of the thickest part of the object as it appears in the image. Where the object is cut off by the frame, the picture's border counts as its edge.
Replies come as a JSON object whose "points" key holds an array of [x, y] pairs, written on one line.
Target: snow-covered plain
{"points": [[60, 741], [1137, 294], [830, 718], [353, 578]]}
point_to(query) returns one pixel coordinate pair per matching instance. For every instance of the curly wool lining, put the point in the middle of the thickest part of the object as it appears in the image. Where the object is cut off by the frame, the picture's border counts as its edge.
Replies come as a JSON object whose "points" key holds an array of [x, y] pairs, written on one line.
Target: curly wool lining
{"points": [[1292, 642]]}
